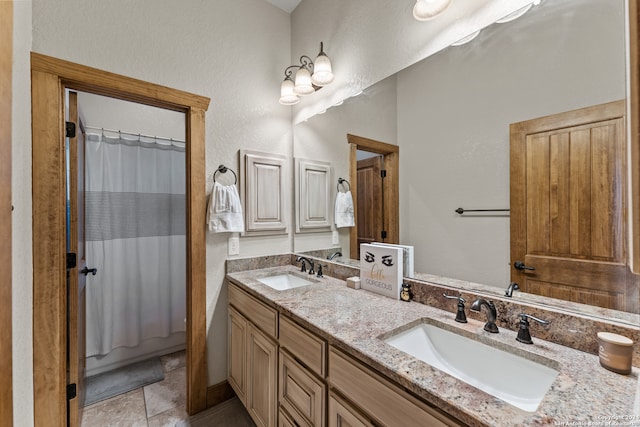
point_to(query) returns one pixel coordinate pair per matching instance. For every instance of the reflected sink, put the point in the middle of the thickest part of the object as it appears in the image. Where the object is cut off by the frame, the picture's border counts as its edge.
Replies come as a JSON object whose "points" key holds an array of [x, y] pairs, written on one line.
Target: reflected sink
{"points": [[284, 281], [514, 379]]}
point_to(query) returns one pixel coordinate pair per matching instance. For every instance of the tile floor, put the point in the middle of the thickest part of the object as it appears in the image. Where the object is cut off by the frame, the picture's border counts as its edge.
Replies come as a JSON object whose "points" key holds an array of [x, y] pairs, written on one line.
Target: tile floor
{"points": [[163, 404]]}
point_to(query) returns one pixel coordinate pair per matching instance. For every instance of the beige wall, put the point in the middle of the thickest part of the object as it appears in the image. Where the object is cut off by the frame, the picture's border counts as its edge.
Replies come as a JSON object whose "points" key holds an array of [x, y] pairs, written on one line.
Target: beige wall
{"points": [[454, 111], [232, 52], [21, 220]]}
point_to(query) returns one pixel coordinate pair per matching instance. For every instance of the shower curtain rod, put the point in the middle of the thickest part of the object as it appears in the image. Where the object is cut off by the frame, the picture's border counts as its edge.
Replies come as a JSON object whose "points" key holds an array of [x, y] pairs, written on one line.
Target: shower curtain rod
{"points": [[135, 133]]}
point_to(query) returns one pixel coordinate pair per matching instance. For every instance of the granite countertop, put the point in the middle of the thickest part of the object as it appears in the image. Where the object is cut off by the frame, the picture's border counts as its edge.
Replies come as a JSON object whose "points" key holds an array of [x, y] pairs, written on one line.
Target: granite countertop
{"points": [[355, 320]]}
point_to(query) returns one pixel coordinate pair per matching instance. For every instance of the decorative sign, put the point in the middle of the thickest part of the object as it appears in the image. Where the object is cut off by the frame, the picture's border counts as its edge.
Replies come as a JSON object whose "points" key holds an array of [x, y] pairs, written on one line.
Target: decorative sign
{"points": [[381, 269], [408, 270]]}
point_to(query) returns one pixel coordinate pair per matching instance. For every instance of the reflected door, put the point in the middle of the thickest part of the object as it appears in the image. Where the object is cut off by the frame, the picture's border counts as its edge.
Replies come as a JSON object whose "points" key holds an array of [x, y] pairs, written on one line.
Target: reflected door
{"points": [[568, 234], [370, 221]]}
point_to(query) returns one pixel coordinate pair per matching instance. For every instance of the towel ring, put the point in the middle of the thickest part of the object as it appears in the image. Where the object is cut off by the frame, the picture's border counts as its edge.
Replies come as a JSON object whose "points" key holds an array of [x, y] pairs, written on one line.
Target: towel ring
{"points": [[224, 169], [341, 181]]}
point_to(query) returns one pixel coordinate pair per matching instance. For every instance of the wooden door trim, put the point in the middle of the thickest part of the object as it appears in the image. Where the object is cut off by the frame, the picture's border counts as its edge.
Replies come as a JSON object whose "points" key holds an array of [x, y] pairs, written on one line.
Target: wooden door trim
{"points": [[391, 185], [634, 124], [6, 64], [49, 79]]}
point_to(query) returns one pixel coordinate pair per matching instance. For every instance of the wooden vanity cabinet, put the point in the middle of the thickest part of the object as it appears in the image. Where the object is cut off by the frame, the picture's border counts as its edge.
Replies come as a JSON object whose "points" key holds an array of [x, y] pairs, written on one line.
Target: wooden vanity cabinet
{"points": [[252, 368], [286, 376]]}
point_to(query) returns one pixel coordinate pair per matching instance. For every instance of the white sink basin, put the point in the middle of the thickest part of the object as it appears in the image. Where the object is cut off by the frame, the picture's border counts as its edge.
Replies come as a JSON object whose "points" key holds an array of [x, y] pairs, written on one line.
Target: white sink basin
{"points": [[516, 380], [284, 281]]}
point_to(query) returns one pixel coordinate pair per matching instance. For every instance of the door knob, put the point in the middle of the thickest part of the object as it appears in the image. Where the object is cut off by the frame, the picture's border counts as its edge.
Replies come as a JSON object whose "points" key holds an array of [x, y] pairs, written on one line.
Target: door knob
{"points": [[519, 265], [86, 270]]}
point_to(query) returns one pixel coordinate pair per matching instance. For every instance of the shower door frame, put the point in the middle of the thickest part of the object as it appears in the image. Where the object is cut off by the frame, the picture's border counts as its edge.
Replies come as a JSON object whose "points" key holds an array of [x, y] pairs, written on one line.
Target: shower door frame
{"points": [[50, 77]]}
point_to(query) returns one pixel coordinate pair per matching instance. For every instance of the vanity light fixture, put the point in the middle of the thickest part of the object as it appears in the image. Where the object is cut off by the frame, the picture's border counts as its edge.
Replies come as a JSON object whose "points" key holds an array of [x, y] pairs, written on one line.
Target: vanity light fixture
{"points": [[308, 77], [425, 10]]}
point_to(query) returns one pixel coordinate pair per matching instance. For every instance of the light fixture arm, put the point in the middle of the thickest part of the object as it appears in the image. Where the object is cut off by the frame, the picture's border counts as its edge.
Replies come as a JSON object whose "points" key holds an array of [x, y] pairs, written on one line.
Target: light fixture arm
{"points": [[308, 81]]}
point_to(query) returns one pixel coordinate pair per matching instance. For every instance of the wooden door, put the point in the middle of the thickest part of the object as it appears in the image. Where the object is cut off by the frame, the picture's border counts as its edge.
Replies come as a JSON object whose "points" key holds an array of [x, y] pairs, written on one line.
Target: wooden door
{"points": [[568, 233], [76, 277], [370, 214]]}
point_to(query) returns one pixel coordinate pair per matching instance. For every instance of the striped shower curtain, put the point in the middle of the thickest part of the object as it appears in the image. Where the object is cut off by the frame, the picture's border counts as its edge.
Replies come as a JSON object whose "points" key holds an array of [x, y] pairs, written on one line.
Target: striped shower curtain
{"points": [[135, 237]]}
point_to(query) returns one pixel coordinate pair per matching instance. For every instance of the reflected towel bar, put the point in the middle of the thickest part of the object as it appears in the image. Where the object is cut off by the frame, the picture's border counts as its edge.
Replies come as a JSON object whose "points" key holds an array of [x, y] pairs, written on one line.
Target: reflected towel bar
{"points": [[460, 211]]}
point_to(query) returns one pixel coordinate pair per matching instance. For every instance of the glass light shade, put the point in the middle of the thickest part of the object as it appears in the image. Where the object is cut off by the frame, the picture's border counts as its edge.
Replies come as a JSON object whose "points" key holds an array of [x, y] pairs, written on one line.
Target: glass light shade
{"points": [[466, 39], [514, 15], [287, 95], [425, 10], [322, 73], [303, 85]]}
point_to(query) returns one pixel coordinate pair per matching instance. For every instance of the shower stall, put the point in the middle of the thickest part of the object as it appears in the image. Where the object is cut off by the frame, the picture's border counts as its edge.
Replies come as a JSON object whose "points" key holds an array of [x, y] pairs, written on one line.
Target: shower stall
{"points": [[135, 237]]}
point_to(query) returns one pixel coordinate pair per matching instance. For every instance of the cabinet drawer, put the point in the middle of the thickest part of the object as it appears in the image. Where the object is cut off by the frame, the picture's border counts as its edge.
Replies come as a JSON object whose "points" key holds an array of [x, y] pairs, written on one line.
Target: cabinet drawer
{"points": [[305, 346], [378, 397], [342, 414], [300, 393], [264, 317]]}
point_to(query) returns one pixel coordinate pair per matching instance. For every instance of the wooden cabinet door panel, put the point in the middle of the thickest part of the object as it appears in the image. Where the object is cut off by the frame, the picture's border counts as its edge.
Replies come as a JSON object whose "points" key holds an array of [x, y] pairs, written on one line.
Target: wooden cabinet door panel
{"points": [[237, 362], [262, 378], [341, 414]]}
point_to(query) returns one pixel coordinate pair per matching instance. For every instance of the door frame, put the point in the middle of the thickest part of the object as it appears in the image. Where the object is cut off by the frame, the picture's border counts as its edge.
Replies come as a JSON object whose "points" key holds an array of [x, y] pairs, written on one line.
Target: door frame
{"points": [[390, 163], [6, 65], [49, 79]]}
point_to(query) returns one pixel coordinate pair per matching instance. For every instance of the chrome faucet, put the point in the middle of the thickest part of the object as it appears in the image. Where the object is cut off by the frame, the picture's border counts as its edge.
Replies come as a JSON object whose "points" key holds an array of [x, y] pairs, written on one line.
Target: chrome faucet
{"points": [[333, 255], [490, 326], [308, 261], [513, 286]]}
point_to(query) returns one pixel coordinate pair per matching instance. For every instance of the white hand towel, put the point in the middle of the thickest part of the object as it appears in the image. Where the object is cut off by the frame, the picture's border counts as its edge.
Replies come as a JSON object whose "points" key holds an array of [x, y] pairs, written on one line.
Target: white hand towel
{"points": [[225, 211], [344, 210]]}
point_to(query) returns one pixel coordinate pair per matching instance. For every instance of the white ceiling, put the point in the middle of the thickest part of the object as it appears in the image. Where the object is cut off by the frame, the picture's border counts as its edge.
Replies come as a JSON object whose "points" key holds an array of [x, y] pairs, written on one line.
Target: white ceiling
{"points": [[286, 5]]}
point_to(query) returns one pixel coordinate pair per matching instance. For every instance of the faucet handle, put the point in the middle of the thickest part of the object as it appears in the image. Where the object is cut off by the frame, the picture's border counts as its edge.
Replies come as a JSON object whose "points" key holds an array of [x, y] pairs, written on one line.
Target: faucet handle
{"points": [[319, 273], [460, 316], [524, 336]]}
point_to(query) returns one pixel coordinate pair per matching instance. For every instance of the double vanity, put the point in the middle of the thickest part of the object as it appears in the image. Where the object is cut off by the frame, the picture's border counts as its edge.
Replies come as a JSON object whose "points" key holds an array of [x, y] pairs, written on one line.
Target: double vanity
{"points": [[309, 351]]}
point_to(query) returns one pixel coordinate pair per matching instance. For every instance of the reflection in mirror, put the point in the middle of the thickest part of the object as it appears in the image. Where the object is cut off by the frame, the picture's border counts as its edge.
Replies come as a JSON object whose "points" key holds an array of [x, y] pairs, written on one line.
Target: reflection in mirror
{"points": [[450, 116]]}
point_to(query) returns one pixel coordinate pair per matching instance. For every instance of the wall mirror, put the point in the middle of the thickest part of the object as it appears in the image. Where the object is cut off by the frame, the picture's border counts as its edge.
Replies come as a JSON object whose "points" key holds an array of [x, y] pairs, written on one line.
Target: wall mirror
{"points": [[450, 116]]}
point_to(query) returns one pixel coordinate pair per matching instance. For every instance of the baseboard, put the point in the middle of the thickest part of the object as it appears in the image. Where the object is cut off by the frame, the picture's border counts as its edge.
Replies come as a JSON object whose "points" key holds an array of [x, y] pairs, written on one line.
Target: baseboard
{"points": [[218, 393]]}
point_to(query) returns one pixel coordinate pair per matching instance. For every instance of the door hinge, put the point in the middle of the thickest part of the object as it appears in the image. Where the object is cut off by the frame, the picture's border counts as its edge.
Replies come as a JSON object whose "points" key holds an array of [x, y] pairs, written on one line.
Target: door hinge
{"points": [[384, 234], [71, 260], [71, 391], [70, 129], [383, 173]]}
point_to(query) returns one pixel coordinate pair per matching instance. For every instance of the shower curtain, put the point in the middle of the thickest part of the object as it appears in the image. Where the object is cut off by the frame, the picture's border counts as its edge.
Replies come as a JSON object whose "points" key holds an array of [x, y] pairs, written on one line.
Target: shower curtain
{"points": [[135, 237]]}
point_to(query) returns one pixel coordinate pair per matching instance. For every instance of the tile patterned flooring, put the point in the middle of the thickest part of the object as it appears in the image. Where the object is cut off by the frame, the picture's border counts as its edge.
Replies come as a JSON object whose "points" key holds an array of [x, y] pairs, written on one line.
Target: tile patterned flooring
{"points": [[163, 404]]}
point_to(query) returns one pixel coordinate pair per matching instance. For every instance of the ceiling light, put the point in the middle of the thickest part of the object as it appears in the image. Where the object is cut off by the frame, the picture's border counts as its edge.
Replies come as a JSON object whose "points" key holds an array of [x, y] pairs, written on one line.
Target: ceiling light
{"points": [[425, 10], [309, 77]]}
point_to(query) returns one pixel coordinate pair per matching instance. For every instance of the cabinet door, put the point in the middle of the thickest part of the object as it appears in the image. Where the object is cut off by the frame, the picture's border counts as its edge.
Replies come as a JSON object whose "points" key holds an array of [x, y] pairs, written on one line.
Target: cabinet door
{"points": [[341, 414], [262, 376], [237, 362]]}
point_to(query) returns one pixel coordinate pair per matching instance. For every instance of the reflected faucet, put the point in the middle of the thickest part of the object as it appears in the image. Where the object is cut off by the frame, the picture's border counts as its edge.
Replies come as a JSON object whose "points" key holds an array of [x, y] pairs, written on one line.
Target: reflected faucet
{"points": [[333, 255], [490, 326], [304, 267], [513, 286]]}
